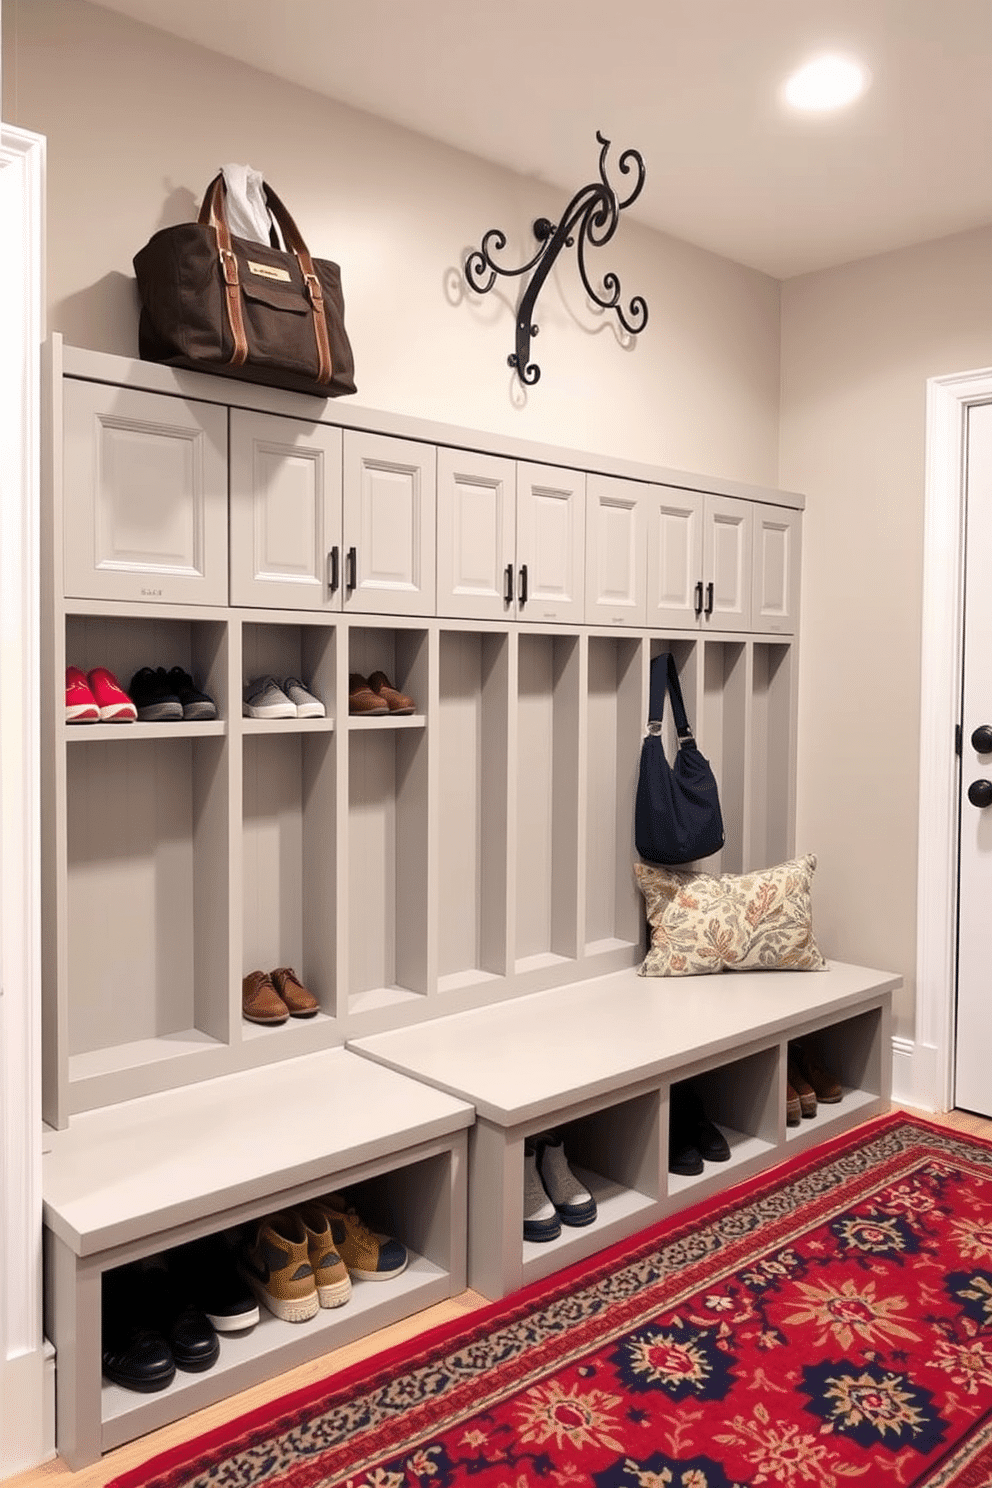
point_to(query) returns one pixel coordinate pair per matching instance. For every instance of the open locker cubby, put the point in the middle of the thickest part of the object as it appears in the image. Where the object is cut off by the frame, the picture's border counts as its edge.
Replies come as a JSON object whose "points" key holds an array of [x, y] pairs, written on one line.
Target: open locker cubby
{"points": [[282, 649], [771, 784], [473, 722], [723, 738], [741, 1098], [546, 818], [613, 732], [852, 1050]]}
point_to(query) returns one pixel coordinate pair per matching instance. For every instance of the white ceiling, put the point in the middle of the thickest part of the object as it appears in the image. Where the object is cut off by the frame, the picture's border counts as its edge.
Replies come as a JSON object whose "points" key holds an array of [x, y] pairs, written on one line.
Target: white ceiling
{"points": [[692, 84]]}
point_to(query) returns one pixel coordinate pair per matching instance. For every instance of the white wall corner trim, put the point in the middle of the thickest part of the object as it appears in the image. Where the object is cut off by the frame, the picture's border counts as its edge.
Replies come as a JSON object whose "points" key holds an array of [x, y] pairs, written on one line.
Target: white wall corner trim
{"points": [[932, 1055], [26, 1376]]}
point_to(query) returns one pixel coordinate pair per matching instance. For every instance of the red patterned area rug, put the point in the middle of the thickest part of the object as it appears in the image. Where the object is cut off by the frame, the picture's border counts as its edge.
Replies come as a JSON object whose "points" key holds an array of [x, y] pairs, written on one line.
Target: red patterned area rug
{"points": [[829, 1323]]}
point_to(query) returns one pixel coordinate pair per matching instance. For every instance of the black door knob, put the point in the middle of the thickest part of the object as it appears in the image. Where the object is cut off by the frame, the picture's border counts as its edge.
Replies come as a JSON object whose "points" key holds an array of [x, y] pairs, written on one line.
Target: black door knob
{"points": [[980, 793], [981, 739]]}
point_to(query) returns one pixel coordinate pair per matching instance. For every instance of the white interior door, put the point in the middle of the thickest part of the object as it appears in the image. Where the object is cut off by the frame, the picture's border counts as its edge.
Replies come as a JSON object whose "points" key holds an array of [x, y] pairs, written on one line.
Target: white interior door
{"points": [[973, 1076]]}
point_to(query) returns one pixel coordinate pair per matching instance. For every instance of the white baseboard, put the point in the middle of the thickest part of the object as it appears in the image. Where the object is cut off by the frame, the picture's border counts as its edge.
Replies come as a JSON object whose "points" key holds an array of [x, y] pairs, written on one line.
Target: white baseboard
{"points": [[916, 1077], [27, 1410]]}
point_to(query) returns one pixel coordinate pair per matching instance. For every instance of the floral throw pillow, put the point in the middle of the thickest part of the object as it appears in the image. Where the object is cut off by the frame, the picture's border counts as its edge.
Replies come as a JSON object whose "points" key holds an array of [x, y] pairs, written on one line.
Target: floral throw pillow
{"points": [[759, 921]]}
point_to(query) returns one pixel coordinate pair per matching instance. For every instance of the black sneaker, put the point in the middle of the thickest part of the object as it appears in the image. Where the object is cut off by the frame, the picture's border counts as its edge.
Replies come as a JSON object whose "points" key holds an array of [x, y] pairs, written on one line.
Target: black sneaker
{"points": [[153, 697], [207, 1272], [196, 705]]}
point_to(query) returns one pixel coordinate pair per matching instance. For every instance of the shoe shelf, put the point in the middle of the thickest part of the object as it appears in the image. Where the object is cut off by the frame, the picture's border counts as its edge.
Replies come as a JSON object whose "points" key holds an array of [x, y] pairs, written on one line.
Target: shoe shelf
{"points": [[127, 1182], [597, 1060]]}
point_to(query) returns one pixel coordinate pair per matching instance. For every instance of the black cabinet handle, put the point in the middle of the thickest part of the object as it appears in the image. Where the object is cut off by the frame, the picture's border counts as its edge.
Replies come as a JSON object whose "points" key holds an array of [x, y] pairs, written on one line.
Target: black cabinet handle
{"points": [[352, 574], [508, 587], [981, 739], [698, 606], [522, 595], [333, 564], [709, 599]]}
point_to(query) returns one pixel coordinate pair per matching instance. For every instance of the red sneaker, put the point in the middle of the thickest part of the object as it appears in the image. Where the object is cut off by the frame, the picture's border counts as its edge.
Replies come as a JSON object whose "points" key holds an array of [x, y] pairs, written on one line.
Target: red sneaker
{"points": [[80, 704], [113, 702]]}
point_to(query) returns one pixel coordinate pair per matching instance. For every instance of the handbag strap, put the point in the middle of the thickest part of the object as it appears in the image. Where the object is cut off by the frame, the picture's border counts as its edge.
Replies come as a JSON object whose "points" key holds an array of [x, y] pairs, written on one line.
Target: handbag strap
{"points": [[665, 677], [213, 214]]}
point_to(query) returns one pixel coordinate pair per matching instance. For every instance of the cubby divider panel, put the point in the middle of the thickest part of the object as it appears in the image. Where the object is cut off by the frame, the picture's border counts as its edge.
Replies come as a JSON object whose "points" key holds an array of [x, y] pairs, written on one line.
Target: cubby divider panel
{"points": [[148, 864], [772, 753], [614, 729], [722, 734], [547, 800], [288, 861], [472, 827]]}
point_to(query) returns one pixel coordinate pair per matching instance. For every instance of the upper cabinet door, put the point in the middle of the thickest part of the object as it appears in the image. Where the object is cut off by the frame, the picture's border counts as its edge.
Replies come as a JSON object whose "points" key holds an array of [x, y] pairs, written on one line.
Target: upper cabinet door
{"points": [[675, 558], [476, 535], [551, 538], [616, 551], [777, 568], [285, 512], [727, 546], [389, 525], [144, 496]]}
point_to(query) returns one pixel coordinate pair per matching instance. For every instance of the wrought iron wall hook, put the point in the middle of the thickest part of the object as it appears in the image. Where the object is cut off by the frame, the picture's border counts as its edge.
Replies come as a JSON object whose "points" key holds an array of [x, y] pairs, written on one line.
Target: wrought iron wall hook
{"points": [[591, 217]]}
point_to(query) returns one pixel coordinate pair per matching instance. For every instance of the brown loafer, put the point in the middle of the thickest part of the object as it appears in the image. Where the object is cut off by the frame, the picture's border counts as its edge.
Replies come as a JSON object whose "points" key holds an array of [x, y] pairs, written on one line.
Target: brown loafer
{"points": [[260, 1002], [361, 698], [827, 1087], [397, 702], [793, 1110], [300, 1002], [802, 1089]]}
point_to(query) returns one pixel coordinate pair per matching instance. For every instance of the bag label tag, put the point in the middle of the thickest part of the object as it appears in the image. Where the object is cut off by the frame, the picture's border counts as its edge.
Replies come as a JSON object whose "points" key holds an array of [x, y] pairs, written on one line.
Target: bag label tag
{"points": [[269, 271]]}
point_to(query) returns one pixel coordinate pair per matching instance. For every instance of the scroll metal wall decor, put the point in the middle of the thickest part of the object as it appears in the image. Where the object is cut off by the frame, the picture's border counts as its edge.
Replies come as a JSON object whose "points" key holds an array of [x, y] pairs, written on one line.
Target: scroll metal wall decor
{"points": [[591, 217]]}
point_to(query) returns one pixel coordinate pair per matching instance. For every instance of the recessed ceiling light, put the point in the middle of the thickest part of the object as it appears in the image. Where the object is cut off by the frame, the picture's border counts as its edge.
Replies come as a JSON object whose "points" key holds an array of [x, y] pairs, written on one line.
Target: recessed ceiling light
{"points": [[826, 83]]}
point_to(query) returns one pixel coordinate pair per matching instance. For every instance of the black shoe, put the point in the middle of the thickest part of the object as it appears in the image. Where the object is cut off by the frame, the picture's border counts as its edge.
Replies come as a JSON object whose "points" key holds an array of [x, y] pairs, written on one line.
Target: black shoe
{"points": [[189, 1334], [196, 705], [153, 697], [206, 1271], [684, 1157], [709, 1139], [134, 1355]]}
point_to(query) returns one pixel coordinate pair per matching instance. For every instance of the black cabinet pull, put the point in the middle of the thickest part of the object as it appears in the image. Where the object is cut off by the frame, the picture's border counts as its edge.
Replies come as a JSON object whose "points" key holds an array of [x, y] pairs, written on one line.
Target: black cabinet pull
{"points": [[522, 596], [333, 564], [698, 606], [352, 575], [508, 587], [709, 599]]}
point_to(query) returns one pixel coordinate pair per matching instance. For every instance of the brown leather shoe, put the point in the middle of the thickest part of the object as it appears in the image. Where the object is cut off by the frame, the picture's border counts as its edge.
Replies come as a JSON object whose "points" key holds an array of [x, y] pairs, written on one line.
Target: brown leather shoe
{"points": [[827, 1087], [260, 1002], [301, 1003], [802, 1089], [398, 702], [793, 1110], [361, 698]]}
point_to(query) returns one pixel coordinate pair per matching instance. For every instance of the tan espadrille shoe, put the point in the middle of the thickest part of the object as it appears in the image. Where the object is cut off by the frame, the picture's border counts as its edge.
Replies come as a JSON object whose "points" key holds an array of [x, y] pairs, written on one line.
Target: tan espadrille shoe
{"points": [[300, 1002], [329, 1270], [397, 701], [275, 1262], [361, 698], [368, 1256], [260, 1002]]}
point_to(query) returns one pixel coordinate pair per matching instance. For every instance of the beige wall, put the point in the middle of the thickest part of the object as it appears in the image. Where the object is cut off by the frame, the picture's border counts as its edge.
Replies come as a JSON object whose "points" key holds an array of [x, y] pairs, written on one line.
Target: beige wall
{"points": [[858, 344], [137, 123]]}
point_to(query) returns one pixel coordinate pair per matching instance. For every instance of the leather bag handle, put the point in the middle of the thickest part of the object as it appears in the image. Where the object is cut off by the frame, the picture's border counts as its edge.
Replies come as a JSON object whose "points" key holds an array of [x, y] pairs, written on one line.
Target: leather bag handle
{"points": [[213, 214], [665, 677]]}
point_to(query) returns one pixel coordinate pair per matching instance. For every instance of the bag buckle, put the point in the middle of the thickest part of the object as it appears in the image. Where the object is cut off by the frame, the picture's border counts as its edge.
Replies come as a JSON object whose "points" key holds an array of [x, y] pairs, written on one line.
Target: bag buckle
{"points": [[229, 265], [313, 288], [654, 726]]}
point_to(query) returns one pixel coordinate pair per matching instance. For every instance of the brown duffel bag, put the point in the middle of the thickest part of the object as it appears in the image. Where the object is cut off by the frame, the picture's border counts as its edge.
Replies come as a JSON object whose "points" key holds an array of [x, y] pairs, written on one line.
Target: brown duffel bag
{"points": [[223, 304]]}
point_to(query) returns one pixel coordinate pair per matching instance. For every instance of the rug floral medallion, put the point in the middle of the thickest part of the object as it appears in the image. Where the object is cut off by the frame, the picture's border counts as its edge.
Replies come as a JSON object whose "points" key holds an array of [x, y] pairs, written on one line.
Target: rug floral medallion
{"points": [[824, 1325]]}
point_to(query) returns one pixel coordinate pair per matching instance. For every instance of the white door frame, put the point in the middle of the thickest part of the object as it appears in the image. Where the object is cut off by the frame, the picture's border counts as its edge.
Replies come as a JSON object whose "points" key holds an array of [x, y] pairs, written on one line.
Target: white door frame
{"points": [[928, 1080], [26, 1428]]}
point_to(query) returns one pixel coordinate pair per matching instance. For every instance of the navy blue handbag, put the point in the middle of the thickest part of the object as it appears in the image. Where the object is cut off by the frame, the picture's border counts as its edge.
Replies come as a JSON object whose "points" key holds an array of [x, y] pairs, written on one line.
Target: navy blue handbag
{"points": [[677, 816]]}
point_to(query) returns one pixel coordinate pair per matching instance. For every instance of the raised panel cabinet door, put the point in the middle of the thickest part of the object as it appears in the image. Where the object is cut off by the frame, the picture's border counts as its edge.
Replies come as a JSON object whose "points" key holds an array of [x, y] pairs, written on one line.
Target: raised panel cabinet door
{"points": [[144, 496], [727, 548], [476, 535], [551, 543], [390, 505], [616, 551], [675, 590], [777, 568], [285, 512]]}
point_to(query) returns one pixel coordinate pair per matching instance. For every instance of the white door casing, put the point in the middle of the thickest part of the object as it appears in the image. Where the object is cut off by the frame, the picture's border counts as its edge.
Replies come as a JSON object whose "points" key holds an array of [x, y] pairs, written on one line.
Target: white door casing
{"points": [[923, 1066], [973, 1036]]}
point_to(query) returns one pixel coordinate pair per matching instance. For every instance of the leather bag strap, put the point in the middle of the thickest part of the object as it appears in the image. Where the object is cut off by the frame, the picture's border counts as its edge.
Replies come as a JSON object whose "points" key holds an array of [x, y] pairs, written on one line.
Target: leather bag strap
{"points": [[665, 678], [294, 240], [212, 214]]}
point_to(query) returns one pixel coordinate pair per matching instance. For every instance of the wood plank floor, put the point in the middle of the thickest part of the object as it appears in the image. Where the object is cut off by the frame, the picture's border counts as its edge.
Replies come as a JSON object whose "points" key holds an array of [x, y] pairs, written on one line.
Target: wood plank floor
{"points": [[134, 1453]]}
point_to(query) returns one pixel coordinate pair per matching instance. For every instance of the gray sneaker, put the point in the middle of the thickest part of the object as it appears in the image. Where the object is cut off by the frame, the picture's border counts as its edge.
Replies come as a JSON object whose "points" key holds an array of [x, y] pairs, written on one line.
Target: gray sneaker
{"points": [[541, 1220], [307, 704], [264, 698]]}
